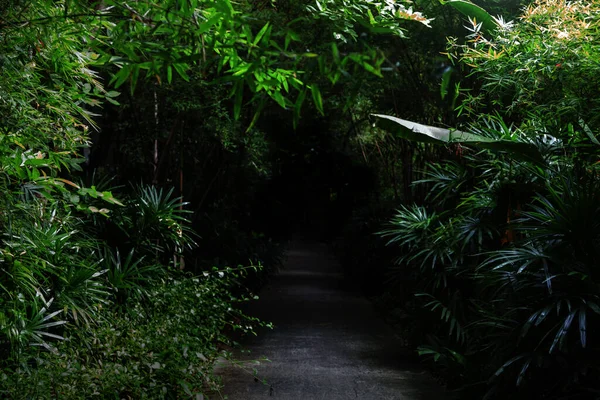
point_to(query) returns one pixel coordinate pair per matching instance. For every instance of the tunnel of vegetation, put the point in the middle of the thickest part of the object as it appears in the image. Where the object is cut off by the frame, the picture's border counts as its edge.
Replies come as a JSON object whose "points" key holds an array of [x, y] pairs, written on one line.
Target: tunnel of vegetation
{"points": [[156, 156]]}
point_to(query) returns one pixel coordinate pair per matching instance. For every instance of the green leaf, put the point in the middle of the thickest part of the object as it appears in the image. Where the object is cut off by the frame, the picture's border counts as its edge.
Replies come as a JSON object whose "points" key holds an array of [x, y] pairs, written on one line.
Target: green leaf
{"points": [[261, 33], [475, 12], [241, 69], [205, 26], [169, 73], [318, 100], [375, 71], [181, 70], [430, 134], [278, 97], [121, 76]]}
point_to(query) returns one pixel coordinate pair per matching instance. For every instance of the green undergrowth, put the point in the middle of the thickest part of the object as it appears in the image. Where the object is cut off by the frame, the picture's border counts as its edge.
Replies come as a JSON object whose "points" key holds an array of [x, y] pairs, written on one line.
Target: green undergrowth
{"points": [[164, 346], [97, 302]]}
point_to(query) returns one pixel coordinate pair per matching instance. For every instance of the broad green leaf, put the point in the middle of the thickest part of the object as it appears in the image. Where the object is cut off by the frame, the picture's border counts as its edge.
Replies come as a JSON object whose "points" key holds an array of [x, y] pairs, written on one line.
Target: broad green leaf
{"points": [[475, 12], [37, 162], [431, 134], [425, 133]]}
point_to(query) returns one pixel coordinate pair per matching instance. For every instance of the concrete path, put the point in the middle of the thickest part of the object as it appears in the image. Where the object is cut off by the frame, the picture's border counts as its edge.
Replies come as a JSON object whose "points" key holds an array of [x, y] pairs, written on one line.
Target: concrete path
{"points": [[327, 342]]}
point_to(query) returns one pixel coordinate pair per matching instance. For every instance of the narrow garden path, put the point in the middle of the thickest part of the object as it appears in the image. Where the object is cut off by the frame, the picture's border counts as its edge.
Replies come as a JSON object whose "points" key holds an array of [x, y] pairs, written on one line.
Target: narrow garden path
{"points": [[327, 342]]}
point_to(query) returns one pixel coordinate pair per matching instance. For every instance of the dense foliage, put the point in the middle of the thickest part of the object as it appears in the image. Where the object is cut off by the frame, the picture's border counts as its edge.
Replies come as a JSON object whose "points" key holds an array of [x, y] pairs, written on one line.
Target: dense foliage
{"points": [[275, 116], [505, 244], [106, 288]]}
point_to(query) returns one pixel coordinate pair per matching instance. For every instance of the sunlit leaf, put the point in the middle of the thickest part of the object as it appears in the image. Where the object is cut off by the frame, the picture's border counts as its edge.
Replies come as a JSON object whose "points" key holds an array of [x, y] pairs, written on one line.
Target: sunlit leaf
{"points": [[475, 12], [430, 134]]}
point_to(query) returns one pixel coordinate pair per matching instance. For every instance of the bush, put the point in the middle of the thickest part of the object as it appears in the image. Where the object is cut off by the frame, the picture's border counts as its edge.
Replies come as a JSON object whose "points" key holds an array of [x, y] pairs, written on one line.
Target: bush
{"points": [[505, 248], [164, 346]]}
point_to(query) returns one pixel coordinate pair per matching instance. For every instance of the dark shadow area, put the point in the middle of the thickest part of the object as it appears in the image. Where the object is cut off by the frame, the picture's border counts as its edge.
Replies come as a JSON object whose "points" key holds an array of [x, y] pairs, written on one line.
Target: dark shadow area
{"points": [[315, 185]]}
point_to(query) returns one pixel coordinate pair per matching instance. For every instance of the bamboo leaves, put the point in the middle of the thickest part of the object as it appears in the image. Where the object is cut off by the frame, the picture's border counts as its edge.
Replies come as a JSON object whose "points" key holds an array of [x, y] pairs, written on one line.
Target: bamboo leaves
{"points": [[318, 100]]}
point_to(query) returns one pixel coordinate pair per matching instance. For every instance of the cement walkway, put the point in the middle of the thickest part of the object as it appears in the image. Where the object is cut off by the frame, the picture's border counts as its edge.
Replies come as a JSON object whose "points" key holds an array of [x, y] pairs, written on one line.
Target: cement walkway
{"points": [[327, 342]]}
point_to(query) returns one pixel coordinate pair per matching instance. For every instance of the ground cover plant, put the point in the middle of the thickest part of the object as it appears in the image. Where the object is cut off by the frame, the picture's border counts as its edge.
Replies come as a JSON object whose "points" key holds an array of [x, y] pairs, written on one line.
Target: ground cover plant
{"points": [[82, 318]]}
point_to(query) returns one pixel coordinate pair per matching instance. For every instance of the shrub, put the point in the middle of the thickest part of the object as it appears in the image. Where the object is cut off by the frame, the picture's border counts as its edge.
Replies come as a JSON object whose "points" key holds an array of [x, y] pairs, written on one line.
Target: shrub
{"points": [[163, 346]]}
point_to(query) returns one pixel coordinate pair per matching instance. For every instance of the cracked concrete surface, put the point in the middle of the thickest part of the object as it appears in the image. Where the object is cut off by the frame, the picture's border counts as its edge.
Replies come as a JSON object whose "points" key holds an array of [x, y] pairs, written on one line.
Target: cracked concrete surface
{"points": [[327, 342]]}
